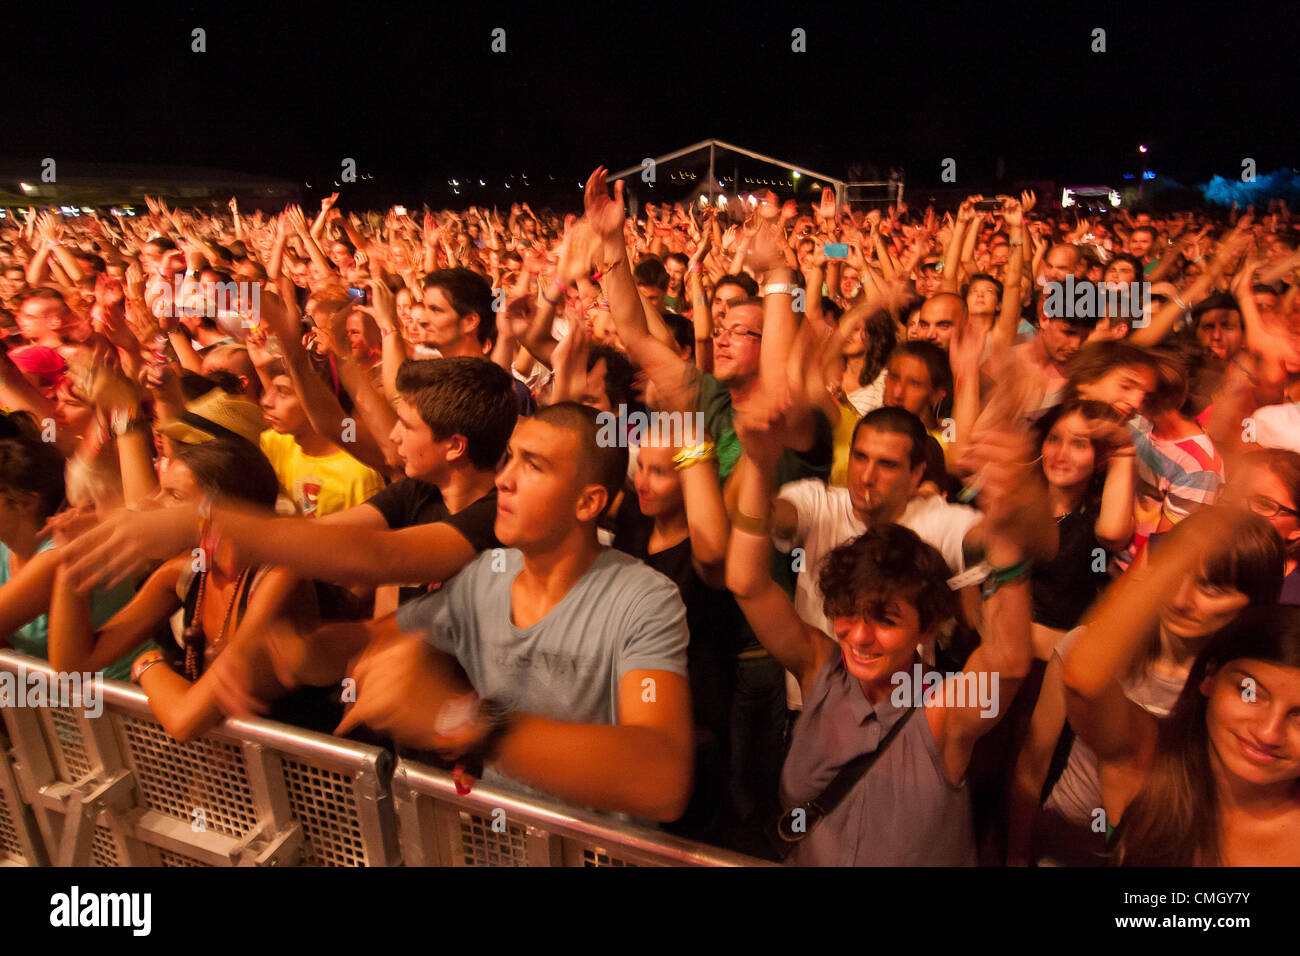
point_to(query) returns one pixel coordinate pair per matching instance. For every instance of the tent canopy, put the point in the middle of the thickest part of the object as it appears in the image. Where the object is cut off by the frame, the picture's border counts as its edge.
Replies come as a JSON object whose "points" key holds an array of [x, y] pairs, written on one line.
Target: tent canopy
{"points": [[711, 167]]}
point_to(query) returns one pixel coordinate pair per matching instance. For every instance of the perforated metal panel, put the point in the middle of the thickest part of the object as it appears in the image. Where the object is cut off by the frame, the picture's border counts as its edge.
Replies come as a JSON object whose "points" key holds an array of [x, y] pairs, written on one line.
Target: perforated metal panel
{"points": [[592, 856], [103, 848], [63, 729], [324, 802], [178, 779], [168, 858], [10, 847], [482, 846]]}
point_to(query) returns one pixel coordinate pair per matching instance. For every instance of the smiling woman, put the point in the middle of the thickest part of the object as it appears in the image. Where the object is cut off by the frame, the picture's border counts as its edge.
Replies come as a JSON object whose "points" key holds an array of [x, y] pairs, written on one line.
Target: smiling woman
{"points": [[1234, 737], [1214, 783]]}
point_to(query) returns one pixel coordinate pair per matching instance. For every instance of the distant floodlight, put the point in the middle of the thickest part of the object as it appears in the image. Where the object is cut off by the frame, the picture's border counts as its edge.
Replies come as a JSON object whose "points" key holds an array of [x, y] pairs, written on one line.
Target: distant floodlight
{"points": [[1067, 197], [1114, 197], [1142, 149]]}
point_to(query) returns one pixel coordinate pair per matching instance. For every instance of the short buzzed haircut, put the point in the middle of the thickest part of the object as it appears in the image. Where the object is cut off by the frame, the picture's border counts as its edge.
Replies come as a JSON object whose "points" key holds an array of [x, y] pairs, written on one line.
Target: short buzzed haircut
{"points": [[1075, 253], [896, 421], [600, 464]]}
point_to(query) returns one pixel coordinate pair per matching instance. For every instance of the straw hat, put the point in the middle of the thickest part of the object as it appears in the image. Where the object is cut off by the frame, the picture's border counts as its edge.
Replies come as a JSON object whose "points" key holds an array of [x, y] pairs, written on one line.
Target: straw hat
{"points": [[216, 414]]}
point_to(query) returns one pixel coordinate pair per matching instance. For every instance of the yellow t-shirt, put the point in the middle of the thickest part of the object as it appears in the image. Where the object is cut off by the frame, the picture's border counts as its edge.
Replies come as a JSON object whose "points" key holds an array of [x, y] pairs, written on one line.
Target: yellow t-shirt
{"points": [[843, 437], [318, 486]]}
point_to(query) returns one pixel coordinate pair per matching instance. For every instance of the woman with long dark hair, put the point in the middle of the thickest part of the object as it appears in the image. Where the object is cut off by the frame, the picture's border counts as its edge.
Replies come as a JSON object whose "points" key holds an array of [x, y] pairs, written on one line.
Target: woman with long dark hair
{"points": [[1217, 783], [1056, 787], [225, 604], [1087, 460]]}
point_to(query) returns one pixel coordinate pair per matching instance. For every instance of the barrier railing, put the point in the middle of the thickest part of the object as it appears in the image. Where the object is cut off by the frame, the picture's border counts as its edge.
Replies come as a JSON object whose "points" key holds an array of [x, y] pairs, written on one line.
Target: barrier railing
{"points": [[117, 790]]}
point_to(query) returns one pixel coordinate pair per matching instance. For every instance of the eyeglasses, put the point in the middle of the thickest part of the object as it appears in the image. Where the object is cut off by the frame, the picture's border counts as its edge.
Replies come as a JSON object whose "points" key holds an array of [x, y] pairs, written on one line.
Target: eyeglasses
{"points": [[1266, 507], [736, 330]]}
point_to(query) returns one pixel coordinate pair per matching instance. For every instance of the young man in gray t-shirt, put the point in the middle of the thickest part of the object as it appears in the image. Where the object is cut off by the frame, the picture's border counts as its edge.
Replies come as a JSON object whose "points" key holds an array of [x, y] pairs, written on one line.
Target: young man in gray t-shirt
{"points": [[559, 662]]}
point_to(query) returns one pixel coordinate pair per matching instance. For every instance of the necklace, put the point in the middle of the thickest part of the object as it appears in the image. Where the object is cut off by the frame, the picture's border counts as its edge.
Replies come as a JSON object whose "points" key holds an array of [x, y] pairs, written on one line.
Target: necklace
{"points": [[195, 637]]}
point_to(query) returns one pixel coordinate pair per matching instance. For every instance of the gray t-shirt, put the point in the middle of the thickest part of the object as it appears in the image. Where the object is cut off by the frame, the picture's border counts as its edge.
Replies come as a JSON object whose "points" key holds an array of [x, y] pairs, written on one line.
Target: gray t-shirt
{"points": [[621, 616], [904, 812]]}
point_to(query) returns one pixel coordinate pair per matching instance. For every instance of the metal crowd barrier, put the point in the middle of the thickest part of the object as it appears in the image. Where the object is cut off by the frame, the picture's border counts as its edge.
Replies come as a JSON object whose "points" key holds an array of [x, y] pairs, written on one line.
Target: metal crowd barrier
{"points": [[118, 790]]}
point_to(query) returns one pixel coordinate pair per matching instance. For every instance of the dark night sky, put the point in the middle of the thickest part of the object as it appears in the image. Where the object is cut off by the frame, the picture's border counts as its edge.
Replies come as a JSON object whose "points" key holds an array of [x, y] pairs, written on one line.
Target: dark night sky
{"points": [[414, 93]]}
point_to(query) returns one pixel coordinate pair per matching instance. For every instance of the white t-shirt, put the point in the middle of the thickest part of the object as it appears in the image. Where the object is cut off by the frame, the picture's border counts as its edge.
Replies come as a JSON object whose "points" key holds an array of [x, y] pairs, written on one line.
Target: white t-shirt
{"points": [[826, 520], [870, 397], [1278, 426]]}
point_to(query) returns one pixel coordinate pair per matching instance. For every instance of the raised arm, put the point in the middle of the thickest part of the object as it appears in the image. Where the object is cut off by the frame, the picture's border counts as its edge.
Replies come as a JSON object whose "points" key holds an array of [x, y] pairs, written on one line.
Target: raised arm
{"points": [[1119, 630], [1005, 653], [606, 217], [798, 647], [1004, 331], [952, 251]]}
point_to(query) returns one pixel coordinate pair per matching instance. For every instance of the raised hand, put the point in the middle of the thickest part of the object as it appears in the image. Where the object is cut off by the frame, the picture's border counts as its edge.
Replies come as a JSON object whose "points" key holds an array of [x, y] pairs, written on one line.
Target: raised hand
{"points": [[570, 363], [577, 252], [603, 214], [767, 248], [1013, 213]]}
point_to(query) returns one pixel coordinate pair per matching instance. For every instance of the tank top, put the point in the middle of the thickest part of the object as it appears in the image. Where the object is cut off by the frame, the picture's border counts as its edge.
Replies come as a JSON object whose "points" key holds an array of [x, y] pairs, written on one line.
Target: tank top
{"points": [[903, 812], [1078, 791]]}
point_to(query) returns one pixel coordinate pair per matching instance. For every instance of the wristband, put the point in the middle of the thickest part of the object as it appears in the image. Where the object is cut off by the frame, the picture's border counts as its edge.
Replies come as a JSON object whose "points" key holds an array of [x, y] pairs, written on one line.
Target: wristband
{"points": [[751, 524], [121, 421], [142, 663], [998, 577], [549, 300], [780, 288], [694, 454], [695, 267]]}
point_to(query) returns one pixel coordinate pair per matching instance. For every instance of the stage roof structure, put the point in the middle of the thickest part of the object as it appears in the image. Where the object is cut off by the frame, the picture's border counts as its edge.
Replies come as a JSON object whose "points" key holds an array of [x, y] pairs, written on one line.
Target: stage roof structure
{"points": [[712, 168]]}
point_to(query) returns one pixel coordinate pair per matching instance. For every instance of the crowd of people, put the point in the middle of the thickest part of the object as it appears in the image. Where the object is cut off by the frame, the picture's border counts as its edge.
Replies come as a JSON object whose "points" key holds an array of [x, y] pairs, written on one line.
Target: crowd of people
{"points": [[1030, 476]]}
